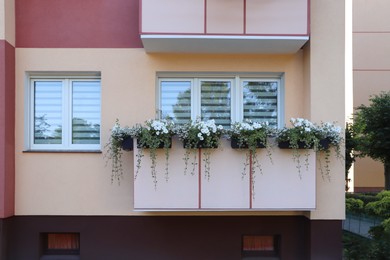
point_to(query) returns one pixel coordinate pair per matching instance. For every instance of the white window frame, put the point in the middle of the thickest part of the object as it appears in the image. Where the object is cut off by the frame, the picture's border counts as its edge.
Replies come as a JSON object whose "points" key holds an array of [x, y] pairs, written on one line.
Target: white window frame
{"points": [[67, 106], [237, 79]]}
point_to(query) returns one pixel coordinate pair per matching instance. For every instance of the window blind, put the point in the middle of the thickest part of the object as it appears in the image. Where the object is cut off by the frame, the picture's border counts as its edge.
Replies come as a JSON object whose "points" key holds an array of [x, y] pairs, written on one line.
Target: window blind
{"points": [[216, 102], [176, 101], [48, 112], [260, 101], [85, 112]]}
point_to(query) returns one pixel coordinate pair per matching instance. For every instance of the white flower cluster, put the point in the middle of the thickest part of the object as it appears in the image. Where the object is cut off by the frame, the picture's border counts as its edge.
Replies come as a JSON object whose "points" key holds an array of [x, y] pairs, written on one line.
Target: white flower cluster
{"points": [[248, 125], [304, 124], [206, 128], [119, 133], [159, 126]]}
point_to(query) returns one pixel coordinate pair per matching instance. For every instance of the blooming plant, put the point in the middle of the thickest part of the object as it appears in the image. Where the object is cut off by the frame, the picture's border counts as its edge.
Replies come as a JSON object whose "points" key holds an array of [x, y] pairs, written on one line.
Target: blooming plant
{"points": [[114, 149], [153, 135], [200, 134], [251, 135], [306, 135]]}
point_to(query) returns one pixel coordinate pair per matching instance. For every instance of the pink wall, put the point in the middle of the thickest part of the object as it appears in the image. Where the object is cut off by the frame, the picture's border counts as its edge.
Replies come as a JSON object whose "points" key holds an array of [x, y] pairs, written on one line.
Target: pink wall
{"points": [[7, 129], [77, 24]]}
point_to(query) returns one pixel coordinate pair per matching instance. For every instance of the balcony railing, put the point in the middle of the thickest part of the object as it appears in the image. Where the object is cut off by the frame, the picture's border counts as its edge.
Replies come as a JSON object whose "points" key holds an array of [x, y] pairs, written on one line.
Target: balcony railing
{"points": [[226, 185]]}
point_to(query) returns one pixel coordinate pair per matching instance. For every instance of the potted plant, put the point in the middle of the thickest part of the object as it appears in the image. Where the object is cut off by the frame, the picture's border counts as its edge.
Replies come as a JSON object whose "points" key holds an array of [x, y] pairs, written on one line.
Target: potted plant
{"points": [[153, 135], [200, 134], [120, 139], [329, 136], [305, 135], [251, 136]]}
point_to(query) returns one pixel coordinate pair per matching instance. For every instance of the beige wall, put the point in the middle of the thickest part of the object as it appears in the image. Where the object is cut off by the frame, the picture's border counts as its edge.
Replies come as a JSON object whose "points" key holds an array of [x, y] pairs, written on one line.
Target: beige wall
{"points": [[7, 21], [81, 185], [328, 80], [371, 56]]}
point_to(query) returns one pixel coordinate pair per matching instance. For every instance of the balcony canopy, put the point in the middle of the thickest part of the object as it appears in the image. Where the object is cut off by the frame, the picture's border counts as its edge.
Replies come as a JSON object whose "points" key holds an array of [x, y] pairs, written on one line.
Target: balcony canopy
{"points": [[220, 26]]}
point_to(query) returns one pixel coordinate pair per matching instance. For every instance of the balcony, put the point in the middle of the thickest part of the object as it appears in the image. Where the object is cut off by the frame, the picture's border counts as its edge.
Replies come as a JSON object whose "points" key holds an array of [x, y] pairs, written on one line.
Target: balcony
{"points": [[227, 187], [224, 26]]}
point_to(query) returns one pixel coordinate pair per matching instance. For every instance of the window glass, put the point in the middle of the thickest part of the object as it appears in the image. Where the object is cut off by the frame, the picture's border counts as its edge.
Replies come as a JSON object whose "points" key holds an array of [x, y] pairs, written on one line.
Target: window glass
{"points": [[260, 101], [48, 112], [227, 99], [216, 102], [86, 112], [65, 114], [176, 101]]}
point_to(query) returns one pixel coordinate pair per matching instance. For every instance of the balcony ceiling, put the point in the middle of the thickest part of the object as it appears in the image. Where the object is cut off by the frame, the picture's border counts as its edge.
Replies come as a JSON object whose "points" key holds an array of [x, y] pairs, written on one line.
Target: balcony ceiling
{"points": [[157, 43]]}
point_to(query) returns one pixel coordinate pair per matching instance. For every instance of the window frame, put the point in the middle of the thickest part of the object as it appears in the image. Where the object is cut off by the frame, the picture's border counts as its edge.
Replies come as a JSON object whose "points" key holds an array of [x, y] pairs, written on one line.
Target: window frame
{"points": [[67, 80], [237, 95]]}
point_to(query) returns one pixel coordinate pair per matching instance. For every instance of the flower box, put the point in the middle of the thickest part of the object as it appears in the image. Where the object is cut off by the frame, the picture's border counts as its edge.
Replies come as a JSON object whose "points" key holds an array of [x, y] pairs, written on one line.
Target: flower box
{"points": [[128, 144], [160, 146], [236, 145], [323, 144], [199, 145], [301, 145]]}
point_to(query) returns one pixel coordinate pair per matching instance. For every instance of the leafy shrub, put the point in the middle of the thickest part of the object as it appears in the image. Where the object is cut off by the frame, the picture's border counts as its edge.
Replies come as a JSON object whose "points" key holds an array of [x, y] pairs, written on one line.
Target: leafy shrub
{"points": [[380, 208], [354, 205], [383, 194], [365, 197]]}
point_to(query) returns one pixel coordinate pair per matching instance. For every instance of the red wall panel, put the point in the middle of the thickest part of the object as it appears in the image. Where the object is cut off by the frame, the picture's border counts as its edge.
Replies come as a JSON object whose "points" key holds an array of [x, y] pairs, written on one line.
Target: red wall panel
{"points": [[77, 24], [7, 129]]}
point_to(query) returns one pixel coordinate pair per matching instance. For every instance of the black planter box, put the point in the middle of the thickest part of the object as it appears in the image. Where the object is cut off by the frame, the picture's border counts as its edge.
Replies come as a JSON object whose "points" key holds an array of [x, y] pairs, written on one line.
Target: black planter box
{"points": [[323, 144], [128, 144], [301, 145], [199, 145], [159, 147], [235, 144]]}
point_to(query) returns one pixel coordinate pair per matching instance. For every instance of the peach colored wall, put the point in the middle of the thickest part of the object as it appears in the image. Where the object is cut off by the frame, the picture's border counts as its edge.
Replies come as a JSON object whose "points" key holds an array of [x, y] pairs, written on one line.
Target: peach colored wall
{"points": [[81, 186], [328, 80], [371, 27]]}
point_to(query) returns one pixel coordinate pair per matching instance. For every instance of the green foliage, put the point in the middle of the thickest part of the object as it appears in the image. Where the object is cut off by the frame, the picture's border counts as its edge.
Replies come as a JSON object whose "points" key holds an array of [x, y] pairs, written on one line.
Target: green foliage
{"points": [[354, 205], [380, 245], [365, 197], [380, 208], [355, 247], [372, 127], [349, 154], [383, 194]]}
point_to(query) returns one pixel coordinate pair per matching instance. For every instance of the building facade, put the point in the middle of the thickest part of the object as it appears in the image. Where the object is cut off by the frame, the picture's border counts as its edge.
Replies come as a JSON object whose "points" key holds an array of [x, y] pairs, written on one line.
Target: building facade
{"points": [[92, 62], [371, 38]]}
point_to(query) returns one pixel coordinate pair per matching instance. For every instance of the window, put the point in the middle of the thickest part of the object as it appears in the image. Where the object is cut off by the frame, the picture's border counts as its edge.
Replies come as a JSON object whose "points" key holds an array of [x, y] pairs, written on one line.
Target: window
{"points": [[260, 247], [60, 245], [226, 99], [64, 113]]}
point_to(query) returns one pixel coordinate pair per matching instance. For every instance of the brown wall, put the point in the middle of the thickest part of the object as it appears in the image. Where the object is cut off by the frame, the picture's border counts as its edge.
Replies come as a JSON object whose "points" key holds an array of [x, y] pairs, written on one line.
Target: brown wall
{"points": [[176, 237], [77, 24]]}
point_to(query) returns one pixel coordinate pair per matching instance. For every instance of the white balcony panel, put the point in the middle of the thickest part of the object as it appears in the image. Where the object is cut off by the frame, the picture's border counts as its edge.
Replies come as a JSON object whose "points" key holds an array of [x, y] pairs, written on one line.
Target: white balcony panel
{"points": [[180, 191], [281, 186], [222, 44], [278, 188], [226, 188]]}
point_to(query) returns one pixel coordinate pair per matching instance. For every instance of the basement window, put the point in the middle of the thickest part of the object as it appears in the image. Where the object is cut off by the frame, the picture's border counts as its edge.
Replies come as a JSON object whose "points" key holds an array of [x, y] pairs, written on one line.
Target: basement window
{"points": [[60, 246], [260, 247]]}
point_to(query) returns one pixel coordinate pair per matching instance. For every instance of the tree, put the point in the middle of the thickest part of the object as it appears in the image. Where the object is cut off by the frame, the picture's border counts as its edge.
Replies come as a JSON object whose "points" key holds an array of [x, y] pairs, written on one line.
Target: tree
{"points": [[372, 131]]}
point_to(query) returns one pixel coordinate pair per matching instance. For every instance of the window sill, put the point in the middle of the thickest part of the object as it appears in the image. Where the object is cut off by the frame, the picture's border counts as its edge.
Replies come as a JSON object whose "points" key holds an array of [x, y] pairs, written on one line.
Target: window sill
{"points": [[62, 151]]}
